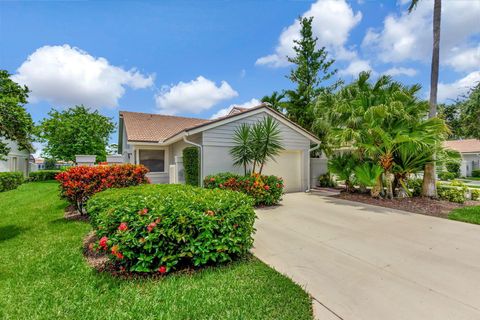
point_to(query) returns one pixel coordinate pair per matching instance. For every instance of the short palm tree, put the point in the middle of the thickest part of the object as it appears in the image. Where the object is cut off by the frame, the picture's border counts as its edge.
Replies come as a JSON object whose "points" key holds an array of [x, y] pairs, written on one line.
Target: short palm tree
{"points": [[242, 151]]}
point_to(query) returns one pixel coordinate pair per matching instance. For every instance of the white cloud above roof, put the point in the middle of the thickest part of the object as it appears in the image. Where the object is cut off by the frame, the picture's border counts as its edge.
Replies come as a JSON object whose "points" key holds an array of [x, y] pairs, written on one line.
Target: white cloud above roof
{"points": [[66, 76], [332, 23], [194, 96]]}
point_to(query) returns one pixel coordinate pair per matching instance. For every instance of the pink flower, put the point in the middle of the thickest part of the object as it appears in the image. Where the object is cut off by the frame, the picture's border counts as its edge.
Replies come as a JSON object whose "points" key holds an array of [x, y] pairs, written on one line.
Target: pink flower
{"points": [[151, 226], [142, 212], [103, 242], [123, 227], [266, 187]]}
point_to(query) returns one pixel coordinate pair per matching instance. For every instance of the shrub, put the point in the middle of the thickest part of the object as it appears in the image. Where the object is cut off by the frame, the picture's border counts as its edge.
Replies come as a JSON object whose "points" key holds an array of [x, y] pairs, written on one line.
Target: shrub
{"points": [[78, 184], [326, 181], [455, 192], [50, 164], [446, 176], [43, 175], [453, 167], [191, 165], [475, 194], [266, 190], [415, 185], [159, 228], [10, 180], [476, 173]]}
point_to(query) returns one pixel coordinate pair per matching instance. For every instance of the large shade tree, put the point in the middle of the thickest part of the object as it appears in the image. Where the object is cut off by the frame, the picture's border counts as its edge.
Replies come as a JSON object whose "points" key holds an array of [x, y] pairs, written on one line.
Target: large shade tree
{"points": [[74, 131], [15, 122]]}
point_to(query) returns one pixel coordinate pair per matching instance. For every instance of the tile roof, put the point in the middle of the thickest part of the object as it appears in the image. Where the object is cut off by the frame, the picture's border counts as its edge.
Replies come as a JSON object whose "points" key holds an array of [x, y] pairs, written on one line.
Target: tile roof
{"points": [[463, 146], [148, 127]]}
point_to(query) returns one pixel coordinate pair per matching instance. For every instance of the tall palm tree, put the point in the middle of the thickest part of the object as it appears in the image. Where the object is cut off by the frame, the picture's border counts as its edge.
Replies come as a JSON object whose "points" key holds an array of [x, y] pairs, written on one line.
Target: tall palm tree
{"points": [[429, 188]]}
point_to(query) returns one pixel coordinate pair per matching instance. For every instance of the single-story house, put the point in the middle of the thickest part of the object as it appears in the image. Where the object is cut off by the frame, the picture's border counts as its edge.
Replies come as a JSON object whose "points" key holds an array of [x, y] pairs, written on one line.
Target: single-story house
{"points": [[157, 141], [16, 159], [469, 149]]}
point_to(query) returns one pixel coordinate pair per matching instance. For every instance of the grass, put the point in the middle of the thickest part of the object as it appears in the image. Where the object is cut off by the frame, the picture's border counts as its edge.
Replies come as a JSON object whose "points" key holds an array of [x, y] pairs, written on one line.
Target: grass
{"points": [[43, 275], [466, 214]]}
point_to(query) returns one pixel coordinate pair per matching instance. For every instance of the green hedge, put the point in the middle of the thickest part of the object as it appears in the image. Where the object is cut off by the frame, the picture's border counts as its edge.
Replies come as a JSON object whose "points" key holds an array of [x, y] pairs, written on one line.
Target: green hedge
{"points": [[476, 173], [454, 192], [160, 228], [43, 175], [475, 194], [446, 176], [191, 165], [453, 167], [10, 180]]}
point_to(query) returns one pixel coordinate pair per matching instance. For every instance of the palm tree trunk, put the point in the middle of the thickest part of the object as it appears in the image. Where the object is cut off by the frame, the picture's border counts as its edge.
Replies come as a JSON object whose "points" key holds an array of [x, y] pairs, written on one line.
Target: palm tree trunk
{"points": [[429, 188]]}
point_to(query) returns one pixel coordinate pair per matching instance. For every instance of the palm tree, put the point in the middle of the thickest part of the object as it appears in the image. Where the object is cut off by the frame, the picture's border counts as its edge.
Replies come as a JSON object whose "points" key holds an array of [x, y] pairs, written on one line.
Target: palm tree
{"points": [[270, 145], [275, 101], [242, 151], [429, 188]]}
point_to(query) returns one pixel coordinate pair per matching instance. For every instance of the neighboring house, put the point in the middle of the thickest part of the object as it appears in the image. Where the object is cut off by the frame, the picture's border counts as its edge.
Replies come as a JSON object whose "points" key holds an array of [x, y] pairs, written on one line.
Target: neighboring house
{"points": [[157, 141], [40, 164], [469, 149], [16, 160]]}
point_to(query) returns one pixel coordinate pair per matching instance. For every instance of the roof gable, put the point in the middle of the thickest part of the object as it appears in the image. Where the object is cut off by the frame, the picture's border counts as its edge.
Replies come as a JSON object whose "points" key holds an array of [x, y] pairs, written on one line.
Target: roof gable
{"points": [[463, 146]]}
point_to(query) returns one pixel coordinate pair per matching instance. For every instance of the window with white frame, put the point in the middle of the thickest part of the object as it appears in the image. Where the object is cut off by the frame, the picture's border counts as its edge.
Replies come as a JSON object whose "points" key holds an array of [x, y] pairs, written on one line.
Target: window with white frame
{"points": [[154, 160]]}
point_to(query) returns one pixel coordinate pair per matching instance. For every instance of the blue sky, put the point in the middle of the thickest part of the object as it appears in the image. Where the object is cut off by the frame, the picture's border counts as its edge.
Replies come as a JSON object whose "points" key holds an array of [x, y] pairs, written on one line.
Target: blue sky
{"points": [[198, 58]]}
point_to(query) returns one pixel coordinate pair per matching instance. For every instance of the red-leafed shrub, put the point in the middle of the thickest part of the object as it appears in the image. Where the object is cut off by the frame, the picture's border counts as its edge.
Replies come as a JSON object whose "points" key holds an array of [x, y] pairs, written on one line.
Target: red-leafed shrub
{"points": [[266, 190], [78, 184]]}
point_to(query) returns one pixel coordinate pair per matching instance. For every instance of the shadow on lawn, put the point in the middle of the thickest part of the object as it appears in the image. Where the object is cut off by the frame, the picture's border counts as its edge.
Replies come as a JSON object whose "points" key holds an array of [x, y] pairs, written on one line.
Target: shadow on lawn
{"points": [[10, 231]]}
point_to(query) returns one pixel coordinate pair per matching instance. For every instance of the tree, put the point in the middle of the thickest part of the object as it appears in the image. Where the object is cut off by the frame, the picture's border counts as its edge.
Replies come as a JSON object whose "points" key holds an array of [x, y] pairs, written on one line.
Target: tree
{"points": [[312, 68], [75, 131], [451, 113], [275, 101], [429, 188], [50, 164], [255, 145], [15, 122], [470, 113]]}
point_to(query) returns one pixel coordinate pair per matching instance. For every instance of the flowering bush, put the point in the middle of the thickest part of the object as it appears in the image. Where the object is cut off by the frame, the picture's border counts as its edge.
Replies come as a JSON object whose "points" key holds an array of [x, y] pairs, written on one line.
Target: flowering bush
{"points": [[266, 190], [78, 184], [159, 228], [454, 192], [475, 194]]}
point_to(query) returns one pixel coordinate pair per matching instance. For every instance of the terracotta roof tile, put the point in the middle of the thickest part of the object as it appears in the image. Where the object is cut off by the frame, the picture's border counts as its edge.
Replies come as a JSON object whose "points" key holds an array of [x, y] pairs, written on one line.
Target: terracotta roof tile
{"points": [[155, 127], [463, 146]]}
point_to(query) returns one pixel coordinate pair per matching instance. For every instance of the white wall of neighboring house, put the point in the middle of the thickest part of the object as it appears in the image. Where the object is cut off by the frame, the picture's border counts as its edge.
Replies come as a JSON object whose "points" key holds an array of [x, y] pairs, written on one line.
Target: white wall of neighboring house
{"points": [[470, 161], [17, 160]]}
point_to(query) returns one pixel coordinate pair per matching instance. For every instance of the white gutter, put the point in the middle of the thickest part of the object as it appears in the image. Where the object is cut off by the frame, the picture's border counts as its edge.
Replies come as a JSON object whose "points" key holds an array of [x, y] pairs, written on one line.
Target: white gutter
{"points": [[309, 178], [201, 156]]}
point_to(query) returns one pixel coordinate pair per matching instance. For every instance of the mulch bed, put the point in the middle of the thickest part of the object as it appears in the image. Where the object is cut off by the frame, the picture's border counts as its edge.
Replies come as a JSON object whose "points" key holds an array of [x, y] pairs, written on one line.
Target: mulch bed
{"points": [[72, 214], [426, 206]]}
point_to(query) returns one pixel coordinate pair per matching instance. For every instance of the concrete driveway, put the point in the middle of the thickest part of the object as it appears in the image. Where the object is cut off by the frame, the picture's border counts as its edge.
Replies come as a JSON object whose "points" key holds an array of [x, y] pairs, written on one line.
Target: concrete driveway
{"points": [[365, 262]]}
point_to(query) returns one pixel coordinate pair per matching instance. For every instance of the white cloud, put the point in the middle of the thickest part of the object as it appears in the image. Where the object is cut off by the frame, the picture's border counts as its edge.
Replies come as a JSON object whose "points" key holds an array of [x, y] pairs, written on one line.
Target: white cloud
{"points": [[452, 91], [223, 112], [396, 71], [332, 23], [355, 67], [193, 97], [65, 75], [409, 36], [465, 59]]}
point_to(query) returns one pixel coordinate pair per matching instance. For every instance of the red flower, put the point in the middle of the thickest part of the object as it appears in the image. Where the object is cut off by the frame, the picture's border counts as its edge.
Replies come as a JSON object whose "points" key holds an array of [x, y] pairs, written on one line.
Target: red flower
{"points": [[212, 179], [151, 226], [123, 227], [103, 242], [162, 269], [267, 187], [117, 253], [142, 212]]}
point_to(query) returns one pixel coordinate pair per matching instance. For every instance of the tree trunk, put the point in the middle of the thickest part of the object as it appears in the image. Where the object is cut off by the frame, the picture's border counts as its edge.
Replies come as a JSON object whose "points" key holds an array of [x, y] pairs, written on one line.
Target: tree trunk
{"points": [[429, 188], [389, 182]]}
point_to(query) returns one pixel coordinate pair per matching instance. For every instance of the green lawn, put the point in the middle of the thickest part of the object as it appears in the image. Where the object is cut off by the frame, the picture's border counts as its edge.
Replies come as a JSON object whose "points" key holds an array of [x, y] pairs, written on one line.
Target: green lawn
{"points": [[43, 275], [466, 214]]}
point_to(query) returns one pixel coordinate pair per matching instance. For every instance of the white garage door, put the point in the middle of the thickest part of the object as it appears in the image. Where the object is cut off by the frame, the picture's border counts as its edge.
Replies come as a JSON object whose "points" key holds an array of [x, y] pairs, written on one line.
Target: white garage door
{"points": [[288, 165]]}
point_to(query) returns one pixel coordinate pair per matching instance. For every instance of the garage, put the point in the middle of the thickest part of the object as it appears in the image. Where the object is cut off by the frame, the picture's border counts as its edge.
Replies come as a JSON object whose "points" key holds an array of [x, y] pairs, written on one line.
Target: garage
{"points": [[288, 165]]}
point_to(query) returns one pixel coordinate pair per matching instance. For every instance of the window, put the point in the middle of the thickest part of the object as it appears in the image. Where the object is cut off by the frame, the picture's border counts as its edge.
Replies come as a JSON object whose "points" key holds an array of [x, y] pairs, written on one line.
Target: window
{"points": [[154, 160]]}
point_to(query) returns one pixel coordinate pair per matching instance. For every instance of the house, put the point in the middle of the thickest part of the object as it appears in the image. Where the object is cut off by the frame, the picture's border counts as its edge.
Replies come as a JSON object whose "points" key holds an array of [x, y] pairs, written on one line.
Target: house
{"points": [[16, 159], [469, 149], [157, 141]]}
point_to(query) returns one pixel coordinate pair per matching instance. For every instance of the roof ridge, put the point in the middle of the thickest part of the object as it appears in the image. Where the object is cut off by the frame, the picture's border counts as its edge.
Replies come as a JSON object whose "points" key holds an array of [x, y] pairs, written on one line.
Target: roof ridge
{"points": [[163, 115]]}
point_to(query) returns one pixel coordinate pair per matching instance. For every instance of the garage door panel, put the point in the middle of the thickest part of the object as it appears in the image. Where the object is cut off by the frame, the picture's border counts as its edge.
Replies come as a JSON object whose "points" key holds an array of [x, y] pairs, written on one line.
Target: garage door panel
{"points": [[288, 165]]}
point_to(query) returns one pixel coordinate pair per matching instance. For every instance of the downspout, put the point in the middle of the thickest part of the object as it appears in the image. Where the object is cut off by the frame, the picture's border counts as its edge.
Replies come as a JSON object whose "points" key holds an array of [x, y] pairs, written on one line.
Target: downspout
{"points": [[309, 178], [201, 156]]}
